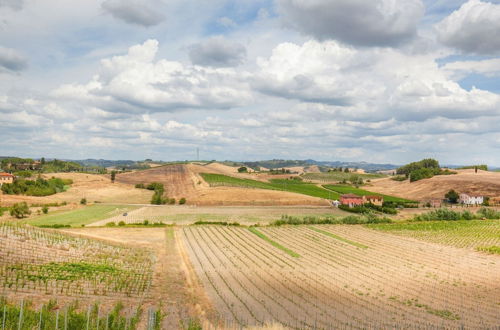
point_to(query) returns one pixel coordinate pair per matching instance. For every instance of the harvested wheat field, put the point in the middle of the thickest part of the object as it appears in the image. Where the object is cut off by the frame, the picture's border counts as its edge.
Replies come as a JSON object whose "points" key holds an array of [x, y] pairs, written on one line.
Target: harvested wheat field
{"points": [[338, 276], [465, 181], [93, 187]]}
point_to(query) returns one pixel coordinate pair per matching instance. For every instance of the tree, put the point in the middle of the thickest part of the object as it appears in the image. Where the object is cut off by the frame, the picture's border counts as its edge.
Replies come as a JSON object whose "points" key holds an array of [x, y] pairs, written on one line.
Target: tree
{"points": [[346, 170], [20, 210], [83, 201], [45, 209], [42, 161], [452, 196], [242, 169], [113, 176]]}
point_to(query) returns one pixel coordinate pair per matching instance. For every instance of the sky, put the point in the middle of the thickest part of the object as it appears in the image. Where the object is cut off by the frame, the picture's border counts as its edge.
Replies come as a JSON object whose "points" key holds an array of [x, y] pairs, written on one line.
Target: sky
{"points": [[384, 81]]}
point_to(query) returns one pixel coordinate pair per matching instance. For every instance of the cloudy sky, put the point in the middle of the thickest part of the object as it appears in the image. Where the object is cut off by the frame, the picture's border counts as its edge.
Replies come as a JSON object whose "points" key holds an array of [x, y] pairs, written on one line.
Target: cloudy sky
{"points": [[386, 81]]}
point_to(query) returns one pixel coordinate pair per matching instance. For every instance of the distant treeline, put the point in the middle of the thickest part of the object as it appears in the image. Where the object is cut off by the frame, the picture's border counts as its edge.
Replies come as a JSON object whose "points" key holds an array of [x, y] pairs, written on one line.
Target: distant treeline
{"points": [[424, 169]]}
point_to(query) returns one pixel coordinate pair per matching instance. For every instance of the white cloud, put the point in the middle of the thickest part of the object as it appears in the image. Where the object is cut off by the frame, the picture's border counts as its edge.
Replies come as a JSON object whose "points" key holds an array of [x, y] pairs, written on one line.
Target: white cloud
{"points": [[474, 28], [136, 83], [488, 68], [369, 84], [217, 52], [356, 22]]}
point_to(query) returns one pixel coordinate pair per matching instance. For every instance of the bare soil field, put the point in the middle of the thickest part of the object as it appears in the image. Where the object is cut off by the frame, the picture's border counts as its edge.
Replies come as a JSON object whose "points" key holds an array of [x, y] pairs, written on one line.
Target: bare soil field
{"points": [[93, 187], [185, 181], [466, 181], [248, 215], [343, 277]]}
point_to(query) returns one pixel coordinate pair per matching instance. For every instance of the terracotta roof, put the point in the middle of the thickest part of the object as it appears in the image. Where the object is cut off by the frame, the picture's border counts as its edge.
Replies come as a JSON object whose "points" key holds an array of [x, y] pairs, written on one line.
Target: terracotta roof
{"points": [[351, 196], [5, 174]]}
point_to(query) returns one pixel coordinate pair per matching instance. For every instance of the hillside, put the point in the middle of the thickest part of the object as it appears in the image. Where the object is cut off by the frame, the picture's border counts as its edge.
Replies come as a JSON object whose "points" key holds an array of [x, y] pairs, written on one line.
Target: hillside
{"points": [[467, 181]]}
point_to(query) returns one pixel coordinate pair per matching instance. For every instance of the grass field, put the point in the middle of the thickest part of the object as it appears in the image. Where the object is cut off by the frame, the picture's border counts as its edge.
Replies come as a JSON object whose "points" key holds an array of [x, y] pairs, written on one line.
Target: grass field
{"points": [[276, 184], [339, 176], [478, 234], [341, 189], [81, 216]]}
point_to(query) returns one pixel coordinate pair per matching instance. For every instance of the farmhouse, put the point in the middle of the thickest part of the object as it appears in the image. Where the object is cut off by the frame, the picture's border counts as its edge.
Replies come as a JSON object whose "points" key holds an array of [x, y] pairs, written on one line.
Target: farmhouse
{"points": [[6, 178], [373, 199], [470, 199], [351, 200]]}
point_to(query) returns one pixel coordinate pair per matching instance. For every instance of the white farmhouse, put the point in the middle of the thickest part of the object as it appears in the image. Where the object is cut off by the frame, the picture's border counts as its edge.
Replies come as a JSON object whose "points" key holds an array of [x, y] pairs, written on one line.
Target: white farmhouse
{"points": [[471, 200]]}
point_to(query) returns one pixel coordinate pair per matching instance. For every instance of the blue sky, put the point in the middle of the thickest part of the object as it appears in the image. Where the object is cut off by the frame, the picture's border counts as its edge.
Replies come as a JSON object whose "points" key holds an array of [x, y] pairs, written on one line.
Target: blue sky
{"points": [[381, 81]]}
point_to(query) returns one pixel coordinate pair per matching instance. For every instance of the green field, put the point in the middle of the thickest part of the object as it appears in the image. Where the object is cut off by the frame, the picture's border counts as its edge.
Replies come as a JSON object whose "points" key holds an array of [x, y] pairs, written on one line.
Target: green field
{"points": [[275, 184], [342, 189], [81, 216], [339, 176], [463, 233]]}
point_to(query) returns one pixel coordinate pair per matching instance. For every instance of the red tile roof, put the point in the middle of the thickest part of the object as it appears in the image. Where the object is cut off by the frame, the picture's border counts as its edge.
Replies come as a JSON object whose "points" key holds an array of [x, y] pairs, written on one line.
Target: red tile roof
{"points": [[6, 174]]}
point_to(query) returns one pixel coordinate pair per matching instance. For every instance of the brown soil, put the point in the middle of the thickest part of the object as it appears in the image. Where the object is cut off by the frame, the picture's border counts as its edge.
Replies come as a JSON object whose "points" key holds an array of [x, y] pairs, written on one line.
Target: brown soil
{"points": [[466, 181], [395, 282]]}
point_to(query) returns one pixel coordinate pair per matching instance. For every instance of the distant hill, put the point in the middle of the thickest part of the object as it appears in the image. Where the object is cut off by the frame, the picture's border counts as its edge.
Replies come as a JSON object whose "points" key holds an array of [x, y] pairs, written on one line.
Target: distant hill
{"points": [[279, 163]]}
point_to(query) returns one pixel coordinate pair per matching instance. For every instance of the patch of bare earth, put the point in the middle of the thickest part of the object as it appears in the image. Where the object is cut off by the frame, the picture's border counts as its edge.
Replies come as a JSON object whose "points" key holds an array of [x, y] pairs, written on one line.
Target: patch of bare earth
{"points": [[466, 181]]}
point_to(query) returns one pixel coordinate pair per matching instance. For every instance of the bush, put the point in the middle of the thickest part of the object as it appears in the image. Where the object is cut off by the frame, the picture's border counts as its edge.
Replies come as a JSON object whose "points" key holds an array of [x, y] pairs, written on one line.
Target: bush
{"points": [[155, 186], [121, 223], [140, 186], [110, 224], [38, 187], [182, 201], [20, 210], [83, 201], [329, 220], [447, 214], [45, 209], [399, 178], [242, 169], [171, 201]]}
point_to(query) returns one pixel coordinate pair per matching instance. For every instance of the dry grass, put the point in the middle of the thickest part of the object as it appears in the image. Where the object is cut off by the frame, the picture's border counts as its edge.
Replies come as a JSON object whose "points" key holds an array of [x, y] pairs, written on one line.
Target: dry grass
{"points": [[481, 183]]}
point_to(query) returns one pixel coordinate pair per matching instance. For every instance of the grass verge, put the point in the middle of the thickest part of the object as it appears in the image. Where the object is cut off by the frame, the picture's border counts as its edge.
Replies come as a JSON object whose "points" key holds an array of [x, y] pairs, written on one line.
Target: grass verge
{"points": [[274, 243], [338, 238], [494, 249], [82, 216]]}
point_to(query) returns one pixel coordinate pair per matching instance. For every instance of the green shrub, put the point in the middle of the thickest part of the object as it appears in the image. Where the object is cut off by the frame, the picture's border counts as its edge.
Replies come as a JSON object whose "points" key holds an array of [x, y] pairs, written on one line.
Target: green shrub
{"points": [[140, 186], [83, 201], [20, 210], [182, 201], [110, 224], [45, 209], [121, 223]]}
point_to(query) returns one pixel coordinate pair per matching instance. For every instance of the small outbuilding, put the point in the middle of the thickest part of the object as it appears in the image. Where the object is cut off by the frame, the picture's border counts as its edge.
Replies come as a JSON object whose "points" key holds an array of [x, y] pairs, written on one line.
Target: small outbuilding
{"points": [[374, 199], [6, 178]]}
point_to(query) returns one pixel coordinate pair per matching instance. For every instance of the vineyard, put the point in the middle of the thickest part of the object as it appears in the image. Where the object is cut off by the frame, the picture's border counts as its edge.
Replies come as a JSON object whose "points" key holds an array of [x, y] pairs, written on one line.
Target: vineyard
{"points": [[341, 276], [35, 260], [342, 189], [296, 186], [478, 234]]}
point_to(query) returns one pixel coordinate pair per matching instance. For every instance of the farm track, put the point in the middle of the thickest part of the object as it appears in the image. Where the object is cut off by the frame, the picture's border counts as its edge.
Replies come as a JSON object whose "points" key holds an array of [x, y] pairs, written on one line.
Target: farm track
{"points": [[394, 282]]}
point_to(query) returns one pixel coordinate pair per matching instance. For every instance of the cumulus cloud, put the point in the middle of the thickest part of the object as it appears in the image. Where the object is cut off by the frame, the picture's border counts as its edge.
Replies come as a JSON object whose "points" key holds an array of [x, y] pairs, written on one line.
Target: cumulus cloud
{"points": [[217, 52], [368, 84], [473, 28], [356, 22], [12, 60], [135, 83], [145, 13]]}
